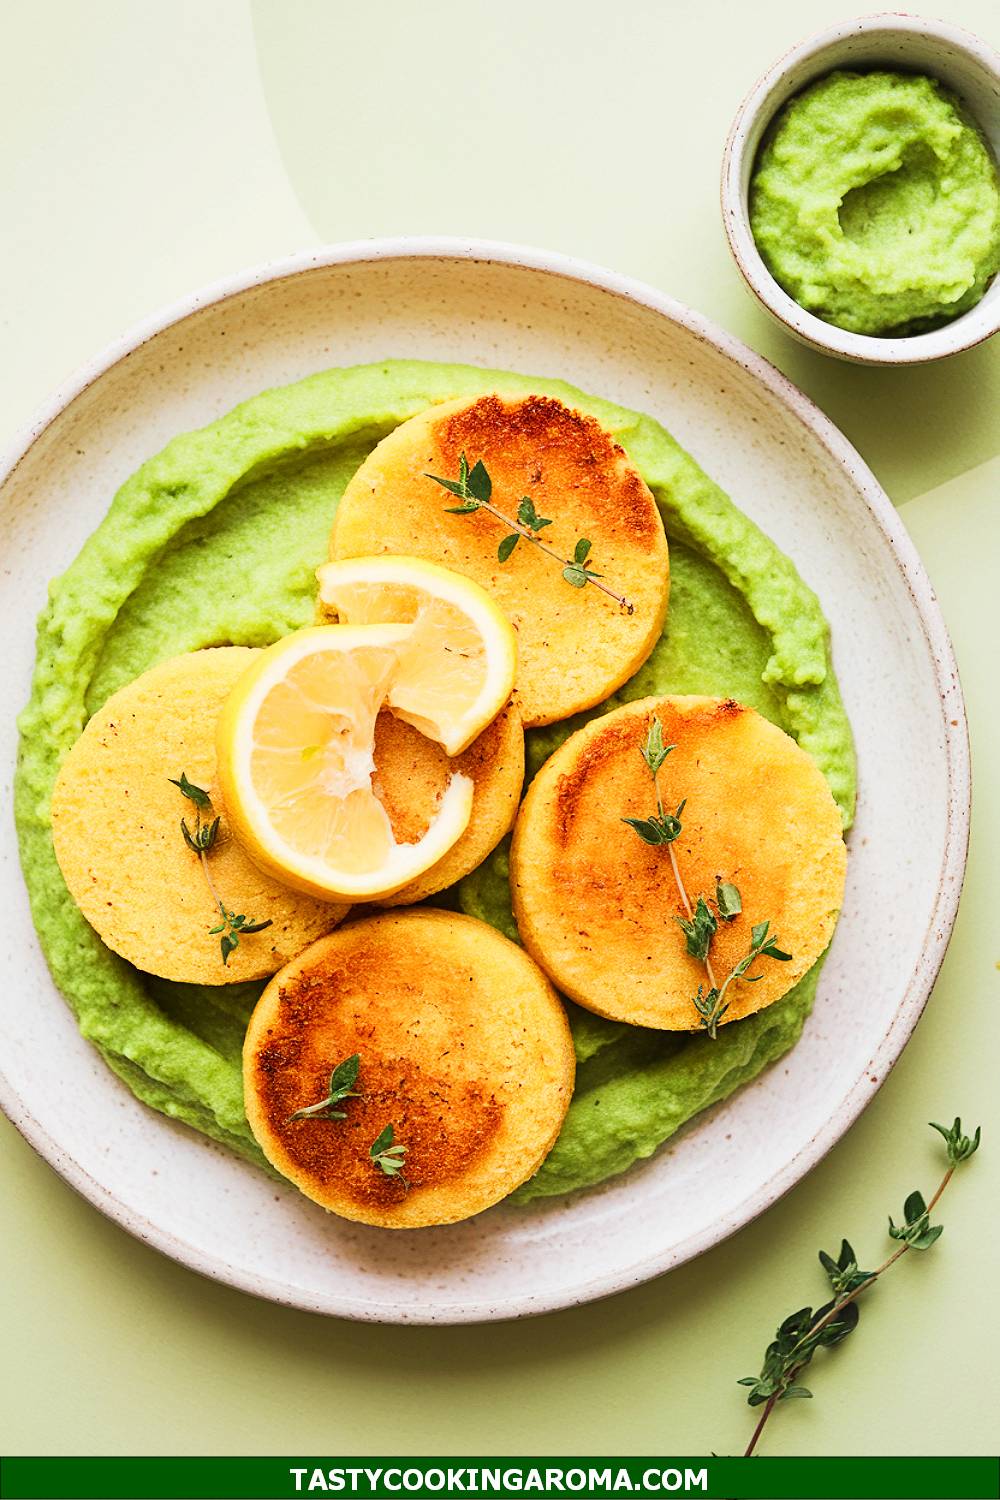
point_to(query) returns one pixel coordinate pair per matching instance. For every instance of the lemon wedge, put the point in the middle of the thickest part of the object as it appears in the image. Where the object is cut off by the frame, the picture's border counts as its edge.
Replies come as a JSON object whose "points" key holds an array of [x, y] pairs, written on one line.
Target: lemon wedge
{"points": [[295, 746], [457, 670]]}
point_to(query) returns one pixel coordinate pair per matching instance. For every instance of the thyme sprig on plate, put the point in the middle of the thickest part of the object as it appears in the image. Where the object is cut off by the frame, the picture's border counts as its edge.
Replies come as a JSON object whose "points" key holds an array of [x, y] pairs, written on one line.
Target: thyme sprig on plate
{"points": [[474, 488], [342, 1081], [700, 923], [202, 840], [799, 1337]]}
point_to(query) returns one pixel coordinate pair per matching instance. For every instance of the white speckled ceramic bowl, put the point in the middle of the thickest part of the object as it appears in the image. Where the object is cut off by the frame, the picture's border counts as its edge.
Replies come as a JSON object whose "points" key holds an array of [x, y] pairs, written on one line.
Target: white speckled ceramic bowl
{"points": [[914, 44], [792, 472]]}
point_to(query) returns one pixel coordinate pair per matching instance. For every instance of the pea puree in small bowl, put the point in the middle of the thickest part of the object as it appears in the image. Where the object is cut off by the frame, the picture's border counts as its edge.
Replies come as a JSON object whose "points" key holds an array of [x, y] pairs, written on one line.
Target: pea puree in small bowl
{"points": [[861, 194]]}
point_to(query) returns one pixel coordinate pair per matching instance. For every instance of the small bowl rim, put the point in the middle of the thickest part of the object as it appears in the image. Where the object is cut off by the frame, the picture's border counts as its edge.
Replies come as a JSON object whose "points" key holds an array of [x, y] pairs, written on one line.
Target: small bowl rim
{"points": [[964, 332]]}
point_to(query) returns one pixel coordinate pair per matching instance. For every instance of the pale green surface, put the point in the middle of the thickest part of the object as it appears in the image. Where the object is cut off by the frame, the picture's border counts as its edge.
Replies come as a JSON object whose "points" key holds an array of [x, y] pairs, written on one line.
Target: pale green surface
{"points": [[144, 164]]}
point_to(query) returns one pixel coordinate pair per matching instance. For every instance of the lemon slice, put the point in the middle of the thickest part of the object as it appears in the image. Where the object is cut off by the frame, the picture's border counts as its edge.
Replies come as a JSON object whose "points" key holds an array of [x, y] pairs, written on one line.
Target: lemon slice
{"points": [[457, 671], [295, 744]]}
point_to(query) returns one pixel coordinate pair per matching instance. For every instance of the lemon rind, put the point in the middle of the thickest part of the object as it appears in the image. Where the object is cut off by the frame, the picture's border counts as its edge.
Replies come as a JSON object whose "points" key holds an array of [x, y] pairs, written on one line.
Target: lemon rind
{"points": [[248, 815], [468, 596]]}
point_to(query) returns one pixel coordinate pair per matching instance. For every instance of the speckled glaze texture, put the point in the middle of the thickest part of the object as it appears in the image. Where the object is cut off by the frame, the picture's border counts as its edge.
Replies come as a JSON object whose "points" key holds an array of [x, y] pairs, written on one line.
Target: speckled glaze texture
{"points": [[891, 39], [794, 474]]}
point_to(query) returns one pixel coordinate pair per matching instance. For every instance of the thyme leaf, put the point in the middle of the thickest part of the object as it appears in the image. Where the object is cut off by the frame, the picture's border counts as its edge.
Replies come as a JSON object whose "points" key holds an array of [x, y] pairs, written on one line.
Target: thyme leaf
{"points": [[342, 1081], [843, 1272], [653, 751], [387, 1156], [960, 1147], [660, 828], [528, 515], [713, 1005], [728, 900], [699, 931], [195, 794], [916, 1231]]}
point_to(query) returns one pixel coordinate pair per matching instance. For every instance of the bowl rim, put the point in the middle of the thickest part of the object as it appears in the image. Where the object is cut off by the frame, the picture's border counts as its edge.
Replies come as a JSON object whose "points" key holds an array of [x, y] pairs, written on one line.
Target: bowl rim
{"points": [[954, 728], [964, 332]]}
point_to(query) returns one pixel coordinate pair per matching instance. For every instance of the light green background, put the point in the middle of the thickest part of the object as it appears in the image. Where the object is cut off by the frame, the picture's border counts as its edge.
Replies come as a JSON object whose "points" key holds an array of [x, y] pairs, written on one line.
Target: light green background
{"points": [[150, 147]]}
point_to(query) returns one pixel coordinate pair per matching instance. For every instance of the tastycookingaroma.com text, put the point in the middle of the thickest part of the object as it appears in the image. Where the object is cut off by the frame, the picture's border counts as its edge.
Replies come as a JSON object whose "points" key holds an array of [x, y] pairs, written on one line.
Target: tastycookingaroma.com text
{"points": [[509, 1479]]}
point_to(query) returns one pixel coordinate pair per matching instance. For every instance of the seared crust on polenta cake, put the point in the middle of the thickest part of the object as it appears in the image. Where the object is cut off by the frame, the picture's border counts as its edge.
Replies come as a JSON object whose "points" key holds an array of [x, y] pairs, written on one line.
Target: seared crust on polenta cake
{"points": [[462, 1047], [575, 644], [116, 827], [414, 771], [599, 907]]}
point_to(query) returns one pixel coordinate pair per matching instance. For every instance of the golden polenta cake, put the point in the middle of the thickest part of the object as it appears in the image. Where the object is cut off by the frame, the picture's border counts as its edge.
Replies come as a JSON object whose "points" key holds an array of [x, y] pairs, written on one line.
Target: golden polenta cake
{"points": [[575, 644], [462, 1048], [412, 773], [116, 826], [116, 823], [599, 907]]}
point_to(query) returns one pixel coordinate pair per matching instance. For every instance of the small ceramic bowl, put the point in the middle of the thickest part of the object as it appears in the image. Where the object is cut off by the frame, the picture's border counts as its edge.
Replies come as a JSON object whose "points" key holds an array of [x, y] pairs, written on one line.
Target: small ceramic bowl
{"points": [[968, 66]]}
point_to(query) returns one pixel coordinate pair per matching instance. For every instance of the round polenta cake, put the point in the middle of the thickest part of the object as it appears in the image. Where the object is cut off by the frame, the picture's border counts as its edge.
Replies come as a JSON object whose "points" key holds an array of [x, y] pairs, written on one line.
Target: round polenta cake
{"points": [[413, 773], [463, 1049], [575, 644], [116, 823], [599, 907], [116, 826]]}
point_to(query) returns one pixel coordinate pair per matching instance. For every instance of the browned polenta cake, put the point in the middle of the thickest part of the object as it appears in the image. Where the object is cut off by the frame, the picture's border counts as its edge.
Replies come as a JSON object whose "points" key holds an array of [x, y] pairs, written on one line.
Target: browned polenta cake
{"points": [[464, 1050], [116, 823], [116, 829], [575, 645], [413, 772], [596, 906]]}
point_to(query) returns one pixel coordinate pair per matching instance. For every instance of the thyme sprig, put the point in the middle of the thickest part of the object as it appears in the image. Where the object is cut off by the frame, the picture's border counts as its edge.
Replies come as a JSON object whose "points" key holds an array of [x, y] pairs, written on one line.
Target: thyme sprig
{"points": [[712, 1005], [474, 488], [342, 1081], [202, 841], [700, 923], [799, 1337], [387, 1156]]}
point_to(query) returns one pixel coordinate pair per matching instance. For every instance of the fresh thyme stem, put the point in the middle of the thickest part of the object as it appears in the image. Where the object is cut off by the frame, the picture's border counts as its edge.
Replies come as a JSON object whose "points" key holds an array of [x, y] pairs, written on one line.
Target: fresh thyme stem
{"points": [[474, 488], [799, 1336], [681, 890], [701, 923], [720, 1003], [342, 1081], [768, 1409], [201, 842], [879, 1270], [203, 856], [829, 1317], [564, 562], [388, 1157]]}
